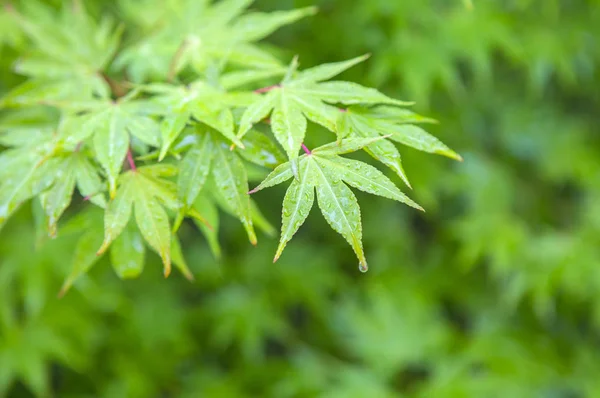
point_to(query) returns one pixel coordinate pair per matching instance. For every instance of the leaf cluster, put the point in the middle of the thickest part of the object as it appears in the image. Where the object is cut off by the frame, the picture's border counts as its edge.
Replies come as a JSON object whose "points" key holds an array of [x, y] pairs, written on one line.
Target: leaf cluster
{"points": [[157, 120]]}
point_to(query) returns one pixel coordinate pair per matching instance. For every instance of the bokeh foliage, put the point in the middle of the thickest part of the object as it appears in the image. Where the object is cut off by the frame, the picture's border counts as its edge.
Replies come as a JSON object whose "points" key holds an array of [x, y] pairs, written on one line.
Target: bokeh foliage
{"points": [[491, 293]]}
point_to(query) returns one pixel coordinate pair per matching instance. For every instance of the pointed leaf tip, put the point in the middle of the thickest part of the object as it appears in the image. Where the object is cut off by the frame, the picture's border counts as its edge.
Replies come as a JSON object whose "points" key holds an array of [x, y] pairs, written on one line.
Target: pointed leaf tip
{"points": [[198, 217], [167, 267], [279, 251], [103, 248], [63, 290], [252, 238], [451, 154]]}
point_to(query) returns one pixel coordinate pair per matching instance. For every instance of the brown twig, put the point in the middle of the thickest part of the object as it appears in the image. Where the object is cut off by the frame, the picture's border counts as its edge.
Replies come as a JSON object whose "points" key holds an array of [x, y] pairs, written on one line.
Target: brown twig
{"points": [[117, 88]]}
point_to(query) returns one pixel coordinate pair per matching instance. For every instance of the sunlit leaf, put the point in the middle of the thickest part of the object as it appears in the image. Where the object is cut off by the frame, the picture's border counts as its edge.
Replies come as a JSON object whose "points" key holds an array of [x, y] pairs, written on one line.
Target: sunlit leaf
{"points": [[209, 211], [297, 203], [327, 172]]}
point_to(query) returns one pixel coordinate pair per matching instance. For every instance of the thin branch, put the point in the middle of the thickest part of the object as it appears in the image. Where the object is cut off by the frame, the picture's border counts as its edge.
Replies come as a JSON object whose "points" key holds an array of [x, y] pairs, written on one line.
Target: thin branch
{"points": [[90, 196], [267, 89], [131, 161], [308, 152], [117, 88]]}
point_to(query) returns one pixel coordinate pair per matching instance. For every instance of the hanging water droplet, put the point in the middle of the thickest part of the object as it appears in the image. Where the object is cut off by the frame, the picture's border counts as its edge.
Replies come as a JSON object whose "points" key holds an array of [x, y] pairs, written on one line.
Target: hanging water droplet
{"points": [[363, 267]]}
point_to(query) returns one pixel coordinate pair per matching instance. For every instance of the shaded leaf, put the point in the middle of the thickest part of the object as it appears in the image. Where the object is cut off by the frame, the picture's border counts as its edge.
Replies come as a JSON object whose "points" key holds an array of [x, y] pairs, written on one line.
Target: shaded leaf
{"points": [[117, 213], [195, 167], [230, 178], [88, 181], [261, 150], [153, 222], [84, 257], [209, 211], [127, 253], [256, 112], [170, 129], [57, 198], [179, 259], [260, 220]]}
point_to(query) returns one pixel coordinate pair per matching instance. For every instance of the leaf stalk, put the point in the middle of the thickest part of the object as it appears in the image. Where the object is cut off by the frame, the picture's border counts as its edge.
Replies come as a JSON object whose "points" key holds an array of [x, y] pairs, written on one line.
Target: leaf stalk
{"points": [[130, 160]]}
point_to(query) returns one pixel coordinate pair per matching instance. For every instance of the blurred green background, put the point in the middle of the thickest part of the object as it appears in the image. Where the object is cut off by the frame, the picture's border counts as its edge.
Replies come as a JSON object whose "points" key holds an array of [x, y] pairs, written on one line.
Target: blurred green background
{"points": [[494, 292]]}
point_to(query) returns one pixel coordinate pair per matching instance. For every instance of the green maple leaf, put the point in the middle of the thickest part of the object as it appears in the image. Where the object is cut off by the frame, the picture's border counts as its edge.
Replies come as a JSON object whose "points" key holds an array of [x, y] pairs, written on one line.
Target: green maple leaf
{"points": [[25, 169], [200, 34], [110, 126], [326, 172], [200, 196], [261, 150], [67, 59], [39, 162], [195, 103], [212, 157], [398, 125], [127, 250], [207, 205], [72, 170], [145, 193], [305, 95]]}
